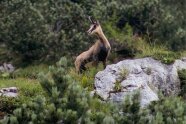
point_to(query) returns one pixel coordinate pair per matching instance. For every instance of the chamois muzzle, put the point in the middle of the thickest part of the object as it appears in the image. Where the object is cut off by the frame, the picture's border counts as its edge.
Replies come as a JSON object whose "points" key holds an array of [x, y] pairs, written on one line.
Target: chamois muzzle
{"points": [[92, 26]]}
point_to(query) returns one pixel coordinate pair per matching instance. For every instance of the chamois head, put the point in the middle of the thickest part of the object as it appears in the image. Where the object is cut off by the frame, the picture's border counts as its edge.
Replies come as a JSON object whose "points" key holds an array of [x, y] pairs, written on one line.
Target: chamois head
{"points": [[95, 27]]}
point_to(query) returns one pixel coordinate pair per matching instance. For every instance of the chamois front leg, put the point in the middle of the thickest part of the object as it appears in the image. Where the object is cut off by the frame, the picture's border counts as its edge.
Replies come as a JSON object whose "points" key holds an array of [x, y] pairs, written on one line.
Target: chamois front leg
{"points": [[104, 63]]}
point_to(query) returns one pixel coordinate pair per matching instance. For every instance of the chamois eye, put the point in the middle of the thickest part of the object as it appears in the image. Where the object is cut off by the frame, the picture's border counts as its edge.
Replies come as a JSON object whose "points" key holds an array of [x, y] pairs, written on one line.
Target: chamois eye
{"points": [[94, 26]]}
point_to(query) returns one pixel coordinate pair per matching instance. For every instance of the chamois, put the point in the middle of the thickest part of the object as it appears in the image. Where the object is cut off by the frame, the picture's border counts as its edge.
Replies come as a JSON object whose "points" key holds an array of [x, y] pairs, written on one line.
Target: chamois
{"points": [[98, 52]]}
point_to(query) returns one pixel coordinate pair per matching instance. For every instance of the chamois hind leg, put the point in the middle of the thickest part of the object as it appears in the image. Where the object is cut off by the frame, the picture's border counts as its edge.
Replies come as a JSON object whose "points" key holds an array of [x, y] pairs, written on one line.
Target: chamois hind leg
{"points": [[105, 61], [82, 68], [77, 65]]}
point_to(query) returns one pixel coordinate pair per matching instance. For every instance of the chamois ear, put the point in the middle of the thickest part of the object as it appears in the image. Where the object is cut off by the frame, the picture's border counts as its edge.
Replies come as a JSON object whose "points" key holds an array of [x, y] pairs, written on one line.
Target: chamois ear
{"points": [[97, 22]]}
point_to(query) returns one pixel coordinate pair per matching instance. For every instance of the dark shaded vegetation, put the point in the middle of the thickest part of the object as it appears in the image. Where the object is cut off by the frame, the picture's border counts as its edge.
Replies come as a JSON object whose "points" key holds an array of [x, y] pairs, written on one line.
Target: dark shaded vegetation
{"points": [[182, 76], [7, 105], [43, 31]]}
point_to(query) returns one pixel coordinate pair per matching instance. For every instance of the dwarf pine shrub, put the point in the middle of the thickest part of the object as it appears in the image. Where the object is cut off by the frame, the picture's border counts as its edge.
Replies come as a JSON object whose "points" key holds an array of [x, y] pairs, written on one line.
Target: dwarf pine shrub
{"points": [[67, 102]]}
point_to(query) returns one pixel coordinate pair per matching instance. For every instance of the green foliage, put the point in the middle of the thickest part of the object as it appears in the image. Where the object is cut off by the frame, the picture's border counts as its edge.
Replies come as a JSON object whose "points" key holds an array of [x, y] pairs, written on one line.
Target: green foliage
{"points": [[182, 76], [86, 79], [4, 54], [167, 57], [7, 105], [132, 46], [131, 110], [123, 74], [117, 86], [43, 29], [27, 87], [108, 120], [25, 26], [68, 102], [87, 82], [30, 72], [156, 19], [4, 75], [122, 40], [168, 110], [157, 52]]}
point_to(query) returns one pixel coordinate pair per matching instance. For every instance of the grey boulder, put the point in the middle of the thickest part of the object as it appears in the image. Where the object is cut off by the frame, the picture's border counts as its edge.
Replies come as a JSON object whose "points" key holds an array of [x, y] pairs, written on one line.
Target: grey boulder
{"points": [[7, 68], [146, 75], [9, 92]]}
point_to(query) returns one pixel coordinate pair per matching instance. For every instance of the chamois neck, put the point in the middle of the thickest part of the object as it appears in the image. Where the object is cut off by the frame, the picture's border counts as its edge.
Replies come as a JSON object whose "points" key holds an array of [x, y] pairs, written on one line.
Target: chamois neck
{"points": [[103, 38]]}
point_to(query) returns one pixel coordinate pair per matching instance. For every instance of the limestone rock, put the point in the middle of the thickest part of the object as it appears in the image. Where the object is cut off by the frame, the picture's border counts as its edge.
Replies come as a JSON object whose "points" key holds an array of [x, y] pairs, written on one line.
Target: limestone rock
{"points": [[146, 75], [7, 68]]}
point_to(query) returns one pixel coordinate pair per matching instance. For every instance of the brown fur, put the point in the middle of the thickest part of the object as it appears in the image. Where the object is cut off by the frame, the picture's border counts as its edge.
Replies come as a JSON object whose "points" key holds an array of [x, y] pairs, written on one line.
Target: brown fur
{"points": [[98, 52]]}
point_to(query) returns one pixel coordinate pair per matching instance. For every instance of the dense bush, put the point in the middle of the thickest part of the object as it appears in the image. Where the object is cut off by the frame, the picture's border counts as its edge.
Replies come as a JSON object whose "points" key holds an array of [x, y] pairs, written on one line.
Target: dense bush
{"points": [[43, 30], [157, 19], [7, 105], [28, 89], [168, 110]]}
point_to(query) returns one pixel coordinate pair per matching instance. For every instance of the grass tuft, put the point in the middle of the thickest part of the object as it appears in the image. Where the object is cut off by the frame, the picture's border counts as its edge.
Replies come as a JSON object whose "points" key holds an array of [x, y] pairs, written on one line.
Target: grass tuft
{"points": [[86, 79]]}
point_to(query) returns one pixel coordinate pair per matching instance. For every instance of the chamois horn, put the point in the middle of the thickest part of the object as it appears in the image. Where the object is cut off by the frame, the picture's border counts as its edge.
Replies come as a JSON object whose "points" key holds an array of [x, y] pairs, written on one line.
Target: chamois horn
{"points": [[90, 20]]}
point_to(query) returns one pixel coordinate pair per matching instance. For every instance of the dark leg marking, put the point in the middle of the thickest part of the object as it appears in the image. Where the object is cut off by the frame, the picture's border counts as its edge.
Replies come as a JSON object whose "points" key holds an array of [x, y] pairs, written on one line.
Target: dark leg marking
{"points": [[82, 68]]}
